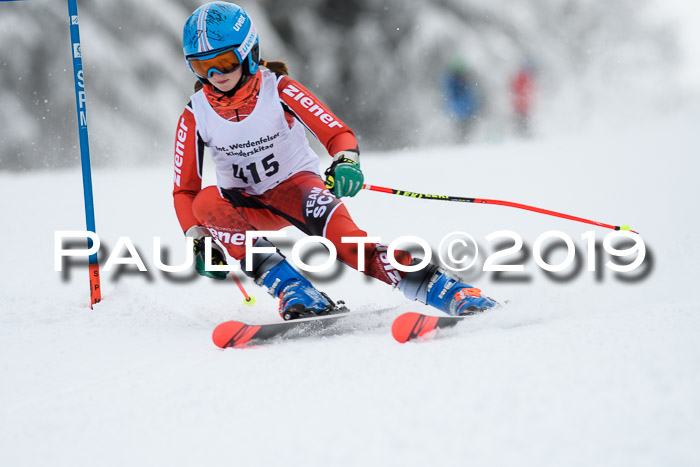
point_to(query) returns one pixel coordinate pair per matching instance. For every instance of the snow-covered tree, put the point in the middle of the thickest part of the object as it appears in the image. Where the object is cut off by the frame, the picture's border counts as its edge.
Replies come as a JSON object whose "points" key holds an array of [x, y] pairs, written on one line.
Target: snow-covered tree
{"points": [[377, 63]]}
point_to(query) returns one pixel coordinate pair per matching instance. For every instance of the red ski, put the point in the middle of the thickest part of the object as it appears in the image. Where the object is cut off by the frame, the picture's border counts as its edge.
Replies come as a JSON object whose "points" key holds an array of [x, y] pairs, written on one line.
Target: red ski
{"points": [[409, 326], [239, 334]]}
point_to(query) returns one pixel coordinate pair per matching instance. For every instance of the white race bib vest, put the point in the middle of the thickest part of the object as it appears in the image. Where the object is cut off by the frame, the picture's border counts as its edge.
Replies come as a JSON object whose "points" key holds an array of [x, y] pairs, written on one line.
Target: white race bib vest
{"points": [[261, 151]]}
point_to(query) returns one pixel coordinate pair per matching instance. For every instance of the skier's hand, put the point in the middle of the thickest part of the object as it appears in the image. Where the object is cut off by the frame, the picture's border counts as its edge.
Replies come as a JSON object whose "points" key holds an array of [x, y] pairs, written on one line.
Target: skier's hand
{"points": [[344, 177], [218, 257]]}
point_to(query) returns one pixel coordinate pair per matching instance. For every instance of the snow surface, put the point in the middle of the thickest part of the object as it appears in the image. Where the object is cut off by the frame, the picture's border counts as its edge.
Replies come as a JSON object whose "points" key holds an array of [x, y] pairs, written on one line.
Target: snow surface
{"points": [[584, 372]]}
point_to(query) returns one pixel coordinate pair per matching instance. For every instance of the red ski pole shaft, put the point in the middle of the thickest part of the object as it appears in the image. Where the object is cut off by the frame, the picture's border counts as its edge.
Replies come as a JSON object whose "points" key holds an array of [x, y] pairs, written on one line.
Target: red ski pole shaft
{"points": [[411, 194]]}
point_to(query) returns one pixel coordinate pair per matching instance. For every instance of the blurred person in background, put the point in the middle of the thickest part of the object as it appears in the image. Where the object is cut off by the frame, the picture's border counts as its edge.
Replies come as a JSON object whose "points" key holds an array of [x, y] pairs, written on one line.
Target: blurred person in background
{"points": [[462, 96], [522, 89], [251, 116]]}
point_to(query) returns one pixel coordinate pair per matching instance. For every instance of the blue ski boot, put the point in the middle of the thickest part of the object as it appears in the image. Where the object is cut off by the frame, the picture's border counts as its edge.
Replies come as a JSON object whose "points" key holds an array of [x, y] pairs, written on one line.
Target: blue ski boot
{"points": [[298, 297], [436, 287]]}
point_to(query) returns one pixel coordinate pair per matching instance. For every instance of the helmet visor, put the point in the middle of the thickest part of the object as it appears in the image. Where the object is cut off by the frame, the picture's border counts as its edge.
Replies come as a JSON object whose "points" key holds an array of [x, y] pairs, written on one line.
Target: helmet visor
{"points": [[225, 62]]}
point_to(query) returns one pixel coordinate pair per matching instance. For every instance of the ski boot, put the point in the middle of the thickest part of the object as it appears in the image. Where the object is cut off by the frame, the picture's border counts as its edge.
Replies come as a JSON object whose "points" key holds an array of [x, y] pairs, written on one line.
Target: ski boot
{"points": [[434, 286], [298, 297]]}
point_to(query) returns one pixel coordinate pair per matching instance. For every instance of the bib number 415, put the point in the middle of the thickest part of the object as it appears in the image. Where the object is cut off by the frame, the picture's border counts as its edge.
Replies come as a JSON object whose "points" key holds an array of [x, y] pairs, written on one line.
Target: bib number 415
{"points": [[269, 167]]}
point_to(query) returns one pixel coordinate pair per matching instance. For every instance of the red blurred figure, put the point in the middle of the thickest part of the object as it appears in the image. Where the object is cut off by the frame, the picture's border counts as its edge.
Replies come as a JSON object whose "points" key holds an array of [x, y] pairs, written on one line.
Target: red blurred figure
{"points": [[522, 89]]}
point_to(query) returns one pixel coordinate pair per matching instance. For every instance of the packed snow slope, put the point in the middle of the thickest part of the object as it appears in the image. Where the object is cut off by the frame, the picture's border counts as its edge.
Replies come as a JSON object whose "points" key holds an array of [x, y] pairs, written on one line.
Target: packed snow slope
{"points": [[586, 368]]}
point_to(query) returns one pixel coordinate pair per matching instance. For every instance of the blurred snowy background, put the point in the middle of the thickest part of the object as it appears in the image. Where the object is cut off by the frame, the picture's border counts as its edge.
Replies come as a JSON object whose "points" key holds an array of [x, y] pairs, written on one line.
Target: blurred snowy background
{"points": [[379, 64]]}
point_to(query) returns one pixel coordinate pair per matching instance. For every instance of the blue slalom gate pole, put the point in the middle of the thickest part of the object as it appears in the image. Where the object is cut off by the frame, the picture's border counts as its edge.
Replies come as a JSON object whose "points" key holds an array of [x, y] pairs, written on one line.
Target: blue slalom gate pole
{"points": [[94, 267]]}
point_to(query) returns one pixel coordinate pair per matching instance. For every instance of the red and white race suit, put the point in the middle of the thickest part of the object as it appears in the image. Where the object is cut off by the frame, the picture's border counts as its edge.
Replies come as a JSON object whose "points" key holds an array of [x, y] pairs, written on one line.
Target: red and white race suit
{"points": [[267, 174]]}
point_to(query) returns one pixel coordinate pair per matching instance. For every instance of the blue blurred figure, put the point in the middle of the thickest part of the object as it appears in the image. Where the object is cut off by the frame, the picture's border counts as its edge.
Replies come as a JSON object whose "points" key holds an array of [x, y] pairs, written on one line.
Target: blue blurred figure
{"points": [[462, 95]]}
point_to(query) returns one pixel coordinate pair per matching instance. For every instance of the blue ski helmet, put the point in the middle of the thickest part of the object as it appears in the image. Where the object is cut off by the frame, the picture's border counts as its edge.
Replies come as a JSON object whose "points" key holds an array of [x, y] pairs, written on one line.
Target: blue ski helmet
{"points": [[219, 26]]}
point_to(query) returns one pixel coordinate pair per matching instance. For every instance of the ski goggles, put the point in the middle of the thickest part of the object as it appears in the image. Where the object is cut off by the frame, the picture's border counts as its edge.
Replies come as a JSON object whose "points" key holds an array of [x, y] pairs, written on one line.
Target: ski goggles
{"points": [[223, 63]]}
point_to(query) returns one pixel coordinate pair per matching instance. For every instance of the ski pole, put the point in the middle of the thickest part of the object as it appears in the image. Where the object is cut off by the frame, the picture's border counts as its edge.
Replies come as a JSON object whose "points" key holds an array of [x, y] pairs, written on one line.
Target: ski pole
{"points": [[461, 199], [94, 267], [247, 299]]}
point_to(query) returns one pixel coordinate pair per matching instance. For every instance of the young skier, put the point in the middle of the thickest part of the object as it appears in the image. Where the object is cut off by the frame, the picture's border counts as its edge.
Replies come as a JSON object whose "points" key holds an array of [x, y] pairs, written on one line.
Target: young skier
{"points": [[252, 120]]}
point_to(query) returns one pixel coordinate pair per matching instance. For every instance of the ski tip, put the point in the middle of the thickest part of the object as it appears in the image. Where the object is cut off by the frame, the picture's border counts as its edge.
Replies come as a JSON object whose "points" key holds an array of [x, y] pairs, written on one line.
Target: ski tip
{"points": [[410, 325], [233, 334]]}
